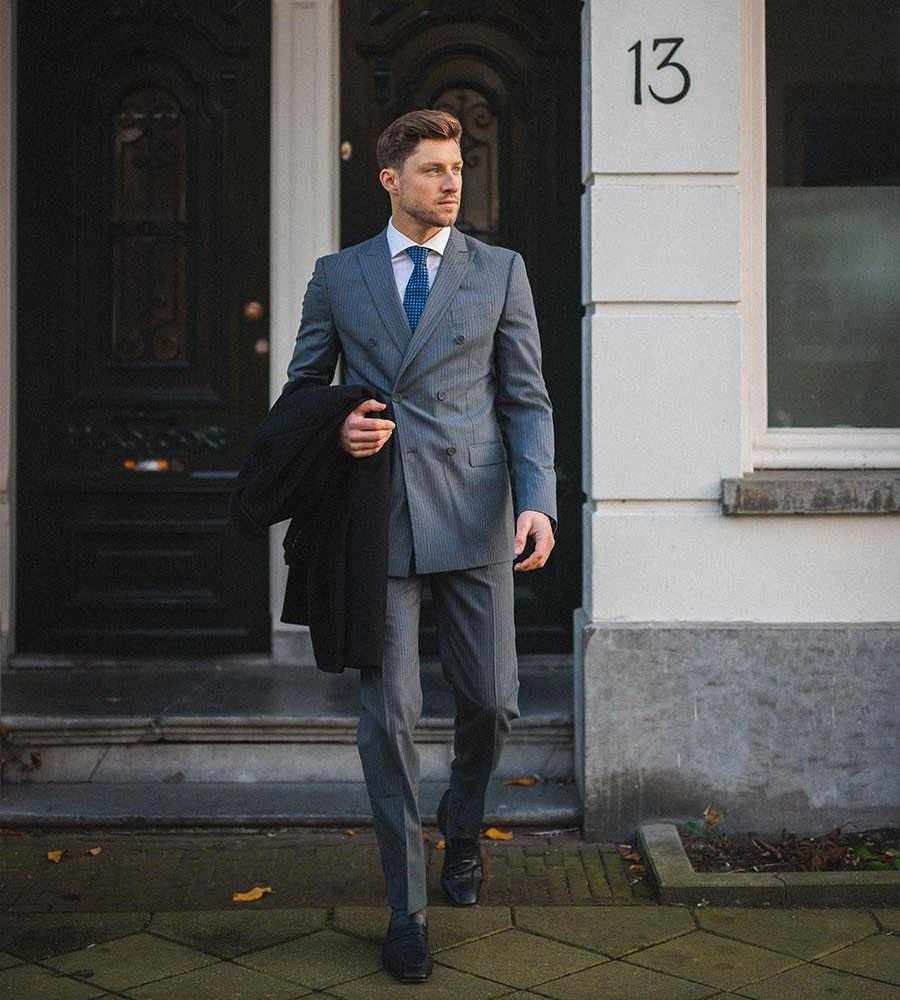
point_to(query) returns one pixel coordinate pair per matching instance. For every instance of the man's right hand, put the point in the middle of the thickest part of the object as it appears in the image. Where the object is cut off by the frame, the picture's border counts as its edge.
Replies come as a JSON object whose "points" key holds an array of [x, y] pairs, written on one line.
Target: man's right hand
{"points": [[362, 436]]}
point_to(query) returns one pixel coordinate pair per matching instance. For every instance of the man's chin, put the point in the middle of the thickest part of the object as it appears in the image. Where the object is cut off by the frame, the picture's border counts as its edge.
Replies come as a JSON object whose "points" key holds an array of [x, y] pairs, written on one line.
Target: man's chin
{"points": [[444, 217]]}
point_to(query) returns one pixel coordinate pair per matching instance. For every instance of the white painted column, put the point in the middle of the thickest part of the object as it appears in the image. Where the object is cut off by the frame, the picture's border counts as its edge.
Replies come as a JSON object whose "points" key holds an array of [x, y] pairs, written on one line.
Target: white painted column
{"points": [[661, 231], [7, 324], [305, 189]]}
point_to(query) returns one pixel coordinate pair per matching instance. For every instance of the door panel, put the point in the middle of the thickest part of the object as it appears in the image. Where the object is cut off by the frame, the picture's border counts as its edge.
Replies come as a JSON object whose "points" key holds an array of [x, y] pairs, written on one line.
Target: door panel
{"points": [[143, 207], [510, 71]]}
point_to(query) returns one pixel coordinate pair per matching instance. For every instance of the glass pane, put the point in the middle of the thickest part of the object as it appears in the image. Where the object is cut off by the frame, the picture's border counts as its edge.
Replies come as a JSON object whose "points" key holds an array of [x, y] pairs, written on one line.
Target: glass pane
{"points": [[833, 213], [148, 229], [479, 210]]}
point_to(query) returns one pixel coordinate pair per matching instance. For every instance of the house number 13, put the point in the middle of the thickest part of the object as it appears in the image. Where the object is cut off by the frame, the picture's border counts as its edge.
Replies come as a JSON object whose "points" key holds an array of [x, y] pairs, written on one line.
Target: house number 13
{"points": [[667, 61]]}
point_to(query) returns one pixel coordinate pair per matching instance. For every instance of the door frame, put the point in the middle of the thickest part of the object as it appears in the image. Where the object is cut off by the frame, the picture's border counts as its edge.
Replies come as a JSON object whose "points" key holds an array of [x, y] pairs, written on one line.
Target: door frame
{"points": [[304, 159], [303, 150], [7, 326]]}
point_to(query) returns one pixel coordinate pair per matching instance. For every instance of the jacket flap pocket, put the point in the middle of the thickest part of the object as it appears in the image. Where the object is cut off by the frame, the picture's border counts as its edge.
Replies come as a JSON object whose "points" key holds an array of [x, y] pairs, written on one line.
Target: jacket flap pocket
{"points": [[489, 453]]}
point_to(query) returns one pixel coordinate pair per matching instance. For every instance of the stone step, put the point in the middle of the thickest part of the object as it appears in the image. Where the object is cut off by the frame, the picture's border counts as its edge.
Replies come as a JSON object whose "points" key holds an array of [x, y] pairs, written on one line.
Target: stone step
{"points": [[546, 805], [246, 721]]}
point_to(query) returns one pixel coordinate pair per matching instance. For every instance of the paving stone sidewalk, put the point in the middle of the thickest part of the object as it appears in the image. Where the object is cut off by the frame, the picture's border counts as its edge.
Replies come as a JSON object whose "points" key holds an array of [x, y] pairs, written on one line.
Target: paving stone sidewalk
{"points": [[151, 916]]}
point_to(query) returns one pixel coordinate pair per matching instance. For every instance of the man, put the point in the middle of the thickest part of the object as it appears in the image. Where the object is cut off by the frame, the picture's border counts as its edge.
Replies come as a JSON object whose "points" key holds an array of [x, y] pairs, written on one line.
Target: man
{"points": [[444, 326]]}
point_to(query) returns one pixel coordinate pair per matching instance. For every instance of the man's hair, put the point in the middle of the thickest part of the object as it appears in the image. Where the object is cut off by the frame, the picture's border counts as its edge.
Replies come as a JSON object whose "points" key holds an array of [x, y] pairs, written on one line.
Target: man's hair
{"points": [[402, 136]]}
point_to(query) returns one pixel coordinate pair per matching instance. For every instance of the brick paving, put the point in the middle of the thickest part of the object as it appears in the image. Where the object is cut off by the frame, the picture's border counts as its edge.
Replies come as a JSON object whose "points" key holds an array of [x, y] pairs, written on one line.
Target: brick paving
{"points": [[316, 867], [151, 916]]}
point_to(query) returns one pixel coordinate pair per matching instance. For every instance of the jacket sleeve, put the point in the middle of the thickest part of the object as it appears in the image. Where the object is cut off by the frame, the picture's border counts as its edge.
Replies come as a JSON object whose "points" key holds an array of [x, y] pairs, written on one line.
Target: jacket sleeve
{"points": [[522, 400], [317, 345]]}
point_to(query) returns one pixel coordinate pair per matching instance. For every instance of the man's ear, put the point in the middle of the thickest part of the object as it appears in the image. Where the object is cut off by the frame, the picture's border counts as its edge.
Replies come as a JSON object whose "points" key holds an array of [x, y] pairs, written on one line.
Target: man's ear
{"points": [[388, 178]]}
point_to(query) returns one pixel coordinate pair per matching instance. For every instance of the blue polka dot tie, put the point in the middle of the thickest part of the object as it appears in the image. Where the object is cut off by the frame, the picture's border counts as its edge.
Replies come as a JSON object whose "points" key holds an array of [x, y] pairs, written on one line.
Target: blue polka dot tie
{"points": [[417, 287]]}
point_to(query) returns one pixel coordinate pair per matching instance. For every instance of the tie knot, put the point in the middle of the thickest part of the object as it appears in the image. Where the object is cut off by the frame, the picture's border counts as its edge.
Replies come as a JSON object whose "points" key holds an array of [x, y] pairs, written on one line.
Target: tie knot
{"points": [[418, 255]]}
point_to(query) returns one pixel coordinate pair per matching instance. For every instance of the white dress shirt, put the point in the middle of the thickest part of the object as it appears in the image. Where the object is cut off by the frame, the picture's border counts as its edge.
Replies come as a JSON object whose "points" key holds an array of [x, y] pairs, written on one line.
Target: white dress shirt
{"points": [[401, 260]]}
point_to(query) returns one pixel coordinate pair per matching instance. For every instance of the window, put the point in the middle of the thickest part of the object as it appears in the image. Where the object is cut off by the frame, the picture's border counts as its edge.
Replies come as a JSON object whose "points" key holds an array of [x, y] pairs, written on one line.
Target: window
{"points": [[832, 243]]}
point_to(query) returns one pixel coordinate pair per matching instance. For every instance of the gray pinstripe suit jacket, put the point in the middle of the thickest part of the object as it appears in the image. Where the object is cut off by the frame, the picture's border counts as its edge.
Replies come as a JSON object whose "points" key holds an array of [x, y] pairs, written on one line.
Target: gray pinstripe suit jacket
{"points": [[473, 362]]}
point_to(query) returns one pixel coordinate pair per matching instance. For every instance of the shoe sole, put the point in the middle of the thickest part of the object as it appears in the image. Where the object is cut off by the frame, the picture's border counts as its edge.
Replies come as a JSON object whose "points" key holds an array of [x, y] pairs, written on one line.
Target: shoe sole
{"points": [[411, 979]]}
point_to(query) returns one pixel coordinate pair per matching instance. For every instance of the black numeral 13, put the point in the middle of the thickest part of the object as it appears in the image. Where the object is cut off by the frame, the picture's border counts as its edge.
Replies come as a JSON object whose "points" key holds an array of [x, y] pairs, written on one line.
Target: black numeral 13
{"points": [[667, 61]]}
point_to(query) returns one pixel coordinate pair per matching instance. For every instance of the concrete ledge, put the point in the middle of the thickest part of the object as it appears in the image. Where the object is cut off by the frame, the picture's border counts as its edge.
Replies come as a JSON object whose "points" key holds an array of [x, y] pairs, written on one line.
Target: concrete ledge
{"points": [[259, 804], [677, 881], [28, 730], [813, 491]]}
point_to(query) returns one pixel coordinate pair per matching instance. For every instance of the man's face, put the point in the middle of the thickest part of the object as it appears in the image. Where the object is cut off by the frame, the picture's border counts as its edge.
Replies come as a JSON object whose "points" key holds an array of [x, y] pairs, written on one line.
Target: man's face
{"points": [[429, 185]]}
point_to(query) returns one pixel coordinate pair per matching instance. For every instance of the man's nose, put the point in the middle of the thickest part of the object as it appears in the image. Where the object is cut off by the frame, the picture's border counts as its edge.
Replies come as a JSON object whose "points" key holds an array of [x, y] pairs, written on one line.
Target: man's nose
{"points": [[451, 182]]}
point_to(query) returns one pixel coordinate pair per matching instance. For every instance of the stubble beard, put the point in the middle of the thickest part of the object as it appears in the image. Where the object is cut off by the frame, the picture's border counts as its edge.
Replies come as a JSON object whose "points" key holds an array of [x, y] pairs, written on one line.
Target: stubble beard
{"points": [[430, 216]]}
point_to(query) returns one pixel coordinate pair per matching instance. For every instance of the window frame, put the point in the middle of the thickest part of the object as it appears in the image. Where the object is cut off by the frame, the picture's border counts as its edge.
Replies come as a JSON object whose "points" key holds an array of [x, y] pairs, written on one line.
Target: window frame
{"points": [[780, 447]]}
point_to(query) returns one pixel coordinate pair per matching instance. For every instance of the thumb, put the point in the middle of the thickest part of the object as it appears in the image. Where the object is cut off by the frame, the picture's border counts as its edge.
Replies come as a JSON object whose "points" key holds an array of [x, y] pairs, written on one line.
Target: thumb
{"points": [[522, 535]]}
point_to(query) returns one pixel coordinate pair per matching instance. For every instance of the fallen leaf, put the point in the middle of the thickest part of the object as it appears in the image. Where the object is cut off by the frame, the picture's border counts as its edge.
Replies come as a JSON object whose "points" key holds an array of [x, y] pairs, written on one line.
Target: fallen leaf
{"points": [[492, 833], [632, 856], [350, 833], [439, 846], [712, 816], [632, 868], [112, 698], [55, 855], [528, 779], [93, 850], [625, 847], [254, 893], [569, 779], [426, 838]]}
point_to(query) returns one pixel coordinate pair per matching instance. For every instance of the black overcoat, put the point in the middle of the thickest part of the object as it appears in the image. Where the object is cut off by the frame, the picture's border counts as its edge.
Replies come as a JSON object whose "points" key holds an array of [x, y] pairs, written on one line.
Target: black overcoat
{"points": [[336, 546]]}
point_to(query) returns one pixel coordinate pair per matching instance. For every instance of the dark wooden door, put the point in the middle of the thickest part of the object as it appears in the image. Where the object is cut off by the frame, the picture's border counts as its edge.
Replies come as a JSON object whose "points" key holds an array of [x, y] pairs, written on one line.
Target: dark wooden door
{"points": [[143, 243], [510, 71]]}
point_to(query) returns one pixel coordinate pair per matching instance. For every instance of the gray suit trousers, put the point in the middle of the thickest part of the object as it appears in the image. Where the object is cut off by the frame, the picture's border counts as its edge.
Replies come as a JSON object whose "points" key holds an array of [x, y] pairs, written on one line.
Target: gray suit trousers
{"points": [[476, 641]]}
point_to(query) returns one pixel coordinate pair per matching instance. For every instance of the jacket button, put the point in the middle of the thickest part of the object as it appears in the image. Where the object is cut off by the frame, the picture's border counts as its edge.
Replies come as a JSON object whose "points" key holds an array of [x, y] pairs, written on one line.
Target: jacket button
{"points": [[451, 450], [372, 341], [459, 338], [442, 394], [396, 397]]}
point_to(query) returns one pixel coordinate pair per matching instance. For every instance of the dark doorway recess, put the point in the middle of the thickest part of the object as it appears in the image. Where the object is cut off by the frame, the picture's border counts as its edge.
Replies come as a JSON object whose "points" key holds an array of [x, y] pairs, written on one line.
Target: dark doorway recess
{"points": [[143, 245], [510, 71]]}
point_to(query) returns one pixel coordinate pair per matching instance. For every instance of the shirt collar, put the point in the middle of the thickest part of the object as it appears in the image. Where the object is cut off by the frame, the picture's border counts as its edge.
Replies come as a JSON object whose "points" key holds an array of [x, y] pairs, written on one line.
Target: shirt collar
{"points": [[397, 242]]}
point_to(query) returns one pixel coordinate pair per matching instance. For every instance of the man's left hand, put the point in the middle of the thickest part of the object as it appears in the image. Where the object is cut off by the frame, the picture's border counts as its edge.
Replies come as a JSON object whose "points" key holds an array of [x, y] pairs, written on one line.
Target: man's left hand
{"points": [[533, 522]]}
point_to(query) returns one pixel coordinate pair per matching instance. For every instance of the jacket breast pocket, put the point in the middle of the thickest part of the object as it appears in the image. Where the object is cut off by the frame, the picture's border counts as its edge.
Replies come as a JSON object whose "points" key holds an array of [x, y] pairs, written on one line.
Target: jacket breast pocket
{"points": [[489, 453]]}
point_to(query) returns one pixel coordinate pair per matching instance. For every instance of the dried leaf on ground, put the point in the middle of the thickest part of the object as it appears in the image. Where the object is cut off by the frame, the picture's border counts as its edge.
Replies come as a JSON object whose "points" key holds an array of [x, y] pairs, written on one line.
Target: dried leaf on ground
{"points": [[867, 850], [528, 779], [55, 856], [492, 833], [255, 893]]}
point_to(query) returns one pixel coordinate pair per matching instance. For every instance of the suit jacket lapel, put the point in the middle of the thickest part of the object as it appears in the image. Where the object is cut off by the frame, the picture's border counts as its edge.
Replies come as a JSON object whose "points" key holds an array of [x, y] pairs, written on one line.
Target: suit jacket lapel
{"points": [[379, 277], [447, 280], [378, 273]]}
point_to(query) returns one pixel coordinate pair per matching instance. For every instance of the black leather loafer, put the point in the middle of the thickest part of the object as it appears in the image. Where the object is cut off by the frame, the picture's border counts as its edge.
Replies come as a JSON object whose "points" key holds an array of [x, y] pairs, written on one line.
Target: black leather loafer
{"points": [[463, 870], [405, 951]]}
